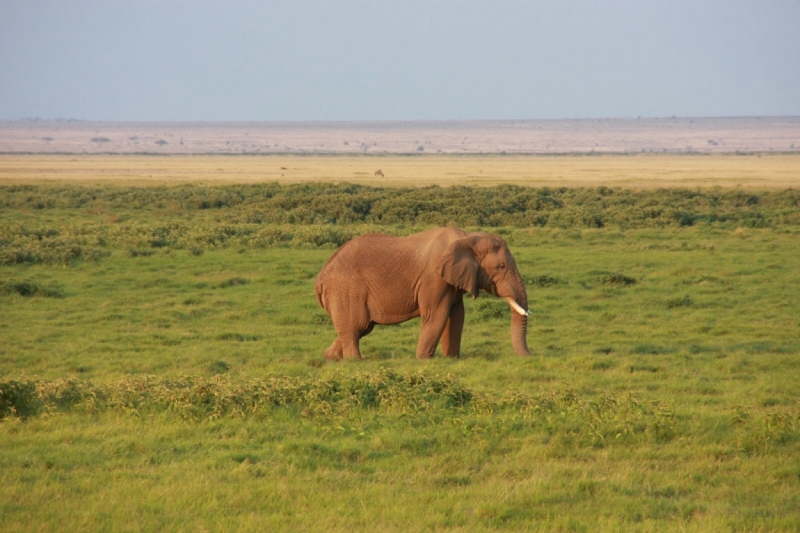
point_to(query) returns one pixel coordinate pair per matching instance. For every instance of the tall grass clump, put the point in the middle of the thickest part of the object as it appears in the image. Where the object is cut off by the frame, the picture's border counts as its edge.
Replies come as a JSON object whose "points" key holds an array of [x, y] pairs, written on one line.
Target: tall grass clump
{"points": [[573, 418], [197, 398]]}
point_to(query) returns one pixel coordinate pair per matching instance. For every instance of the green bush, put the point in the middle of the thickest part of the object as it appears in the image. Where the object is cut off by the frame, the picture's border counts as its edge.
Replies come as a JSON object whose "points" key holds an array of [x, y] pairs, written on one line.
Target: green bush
{"points": [[327, 215], [616, 279], [30, 288], [506, 205], [683, 301]]}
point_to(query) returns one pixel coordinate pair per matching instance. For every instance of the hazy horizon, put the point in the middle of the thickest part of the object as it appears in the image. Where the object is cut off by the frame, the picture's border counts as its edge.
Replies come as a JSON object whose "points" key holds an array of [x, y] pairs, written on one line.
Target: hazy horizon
{"points": [[361, 61], [397, 121]]}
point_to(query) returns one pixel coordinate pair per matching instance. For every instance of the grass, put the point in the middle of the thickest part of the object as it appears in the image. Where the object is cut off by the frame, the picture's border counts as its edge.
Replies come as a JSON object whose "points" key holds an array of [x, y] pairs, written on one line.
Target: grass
{"points": [[255, 308], [185, 388]]}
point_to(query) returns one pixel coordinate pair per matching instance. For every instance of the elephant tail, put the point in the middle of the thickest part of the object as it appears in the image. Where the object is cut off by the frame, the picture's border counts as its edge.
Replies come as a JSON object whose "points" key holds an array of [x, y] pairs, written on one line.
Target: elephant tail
{"points": [[318, 289]]}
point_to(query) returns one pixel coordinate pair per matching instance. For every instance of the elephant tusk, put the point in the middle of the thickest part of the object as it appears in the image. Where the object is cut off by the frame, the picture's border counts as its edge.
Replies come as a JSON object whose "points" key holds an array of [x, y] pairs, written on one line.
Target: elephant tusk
{"points": [[516, 307]]}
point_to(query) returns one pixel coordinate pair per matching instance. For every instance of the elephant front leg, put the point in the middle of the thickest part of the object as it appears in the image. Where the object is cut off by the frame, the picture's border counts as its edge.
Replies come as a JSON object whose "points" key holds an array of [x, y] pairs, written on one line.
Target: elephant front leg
{"points": [[429, 334], [451, 336]]}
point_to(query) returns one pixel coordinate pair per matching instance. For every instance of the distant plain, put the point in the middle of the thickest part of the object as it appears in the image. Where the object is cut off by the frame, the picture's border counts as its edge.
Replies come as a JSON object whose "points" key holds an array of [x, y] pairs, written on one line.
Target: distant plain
{"points": [[543, 137]]}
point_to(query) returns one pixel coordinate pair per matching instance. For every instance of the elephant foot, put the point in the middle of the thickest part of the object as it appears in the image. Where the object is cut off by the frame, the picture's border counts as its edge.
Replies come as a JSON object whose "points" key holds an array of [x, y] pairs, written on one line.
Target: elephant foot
{"points": [[332, 356], [334, 351]]}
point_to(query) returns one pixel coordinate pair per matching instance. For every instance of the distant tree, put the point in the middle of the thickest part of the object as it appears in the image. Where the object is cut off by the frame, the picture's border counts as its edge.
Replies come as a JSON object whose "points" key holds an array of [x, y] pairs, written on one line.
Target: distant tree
{"points": [[47, 139], [100, 140], [161, 142]]}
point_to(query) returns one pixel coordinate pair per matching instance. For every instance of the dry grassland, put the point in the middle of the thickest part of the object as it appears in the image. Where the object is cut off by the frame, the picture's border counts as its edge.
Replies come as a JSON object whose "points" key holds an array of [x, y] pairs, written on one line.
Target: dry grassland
{"points": [[637, 171]]}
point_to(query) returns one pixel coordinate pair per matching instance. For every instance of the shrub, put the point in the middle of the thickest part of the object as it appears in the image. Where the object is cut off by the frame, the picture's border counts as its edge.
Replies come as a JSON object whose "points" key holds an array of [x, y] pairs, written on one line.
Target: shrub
{"points": [[616, 279], [232, 282], [219, 367], [490, 308], [544, 281], [684, 301], [19, 399], [134, 252], [239, 337], [30, 288], [29, 251]]}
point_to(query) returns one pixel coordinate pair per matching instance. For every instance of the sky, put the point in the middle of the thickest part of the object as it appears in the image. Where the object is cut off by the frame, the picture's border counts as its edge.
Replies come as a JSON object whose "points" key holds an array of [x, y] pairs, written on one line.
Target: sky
{"points": [[342, 60]]}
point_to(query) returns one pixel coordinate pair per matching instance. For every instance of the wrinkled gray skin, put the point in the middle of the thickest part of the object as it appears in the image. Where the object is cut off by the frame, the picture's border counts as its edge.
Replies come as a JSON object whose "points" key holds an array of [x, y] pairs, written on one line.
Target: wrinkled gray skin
{"points": [[378, 279]]}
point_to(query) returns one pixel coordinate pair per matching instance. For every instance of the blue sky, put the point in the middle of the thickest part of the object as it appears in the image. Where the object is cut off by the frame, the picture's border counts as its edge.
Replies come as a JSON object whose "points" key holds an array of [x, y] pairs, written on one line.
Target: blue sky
{"points": [[235, 60]]}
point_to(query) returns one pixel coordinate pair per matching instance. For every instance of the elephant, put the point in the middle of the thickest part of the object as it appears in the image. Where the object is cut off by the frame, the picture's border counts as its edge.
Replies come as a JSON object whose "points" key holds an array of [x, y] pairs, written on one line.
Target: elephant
{"points": [[378, 279]]}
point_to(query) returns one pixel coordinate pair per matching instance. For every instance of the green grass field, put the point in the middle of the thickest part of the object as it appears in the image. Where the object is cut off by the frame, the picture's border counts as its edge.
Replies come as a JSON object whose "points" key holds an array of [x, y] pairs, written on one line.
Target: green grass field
{"points": [[161, 366]]}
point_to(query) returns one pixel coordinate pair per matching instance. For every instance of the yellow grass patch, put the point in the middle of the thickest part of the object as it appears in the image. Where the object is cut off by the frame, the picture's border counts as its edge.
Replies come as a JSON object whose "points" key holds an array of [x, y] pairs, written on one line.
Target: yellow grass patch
{"points": [[637, 171]]}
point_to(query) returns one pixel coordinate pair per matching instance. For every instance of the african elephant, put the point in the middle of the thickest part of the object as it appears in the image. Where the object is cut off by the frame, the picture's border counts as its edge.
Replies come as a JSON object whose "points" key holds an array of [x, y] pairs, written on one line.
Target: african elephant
{"points": [[378, 279]]}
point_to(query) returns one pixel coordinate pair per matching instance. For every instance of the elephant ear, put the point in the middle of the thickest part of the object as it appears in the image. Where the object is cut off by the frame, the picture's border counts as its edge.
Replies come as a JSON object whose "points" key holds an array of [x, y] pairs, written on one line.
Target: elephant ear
{"points": [[459, 267]]}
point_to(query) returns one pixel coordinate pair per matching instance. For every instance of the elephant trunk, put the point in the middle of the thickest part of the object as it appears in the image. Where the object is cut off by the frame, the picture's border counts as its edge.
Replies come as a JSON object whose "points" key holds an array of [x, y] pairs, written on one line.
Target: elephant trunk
{"points": [[519, 331], [518, 300]]}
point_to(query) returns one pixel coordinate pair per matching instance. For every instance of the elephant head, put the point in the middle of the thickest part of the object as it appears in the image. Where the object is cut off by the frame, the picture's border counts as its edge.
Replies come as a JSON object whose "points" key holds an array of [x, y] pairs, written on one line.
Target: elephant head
{"points": [[482, 261]]}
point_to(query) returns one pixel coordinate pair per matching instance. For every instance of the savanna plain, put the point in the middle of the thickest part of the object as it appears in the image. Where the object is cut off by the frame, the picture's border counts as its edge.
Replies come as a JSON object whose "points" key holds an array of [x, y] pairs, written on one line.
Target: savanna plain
{"points": [[161, 347]]}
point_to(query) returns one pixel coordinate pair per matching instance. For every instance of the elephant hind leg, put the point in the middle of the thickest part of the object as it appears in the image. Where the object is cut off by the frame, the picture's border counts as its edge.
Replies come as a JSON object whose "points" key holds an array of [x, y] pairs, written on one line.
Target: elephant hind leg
{"points": [[348, 332], [351, 321], [349, 343], [345, 345], [336, 351]]}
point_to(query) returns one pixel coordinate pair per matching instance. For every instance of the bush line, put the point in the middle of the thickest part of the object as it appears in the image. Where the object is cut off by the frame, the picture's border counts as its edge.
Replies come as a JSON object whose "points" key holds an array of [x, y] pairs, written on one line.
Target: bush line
{"points": [[328, 215], [505, 205], [21, 244]]}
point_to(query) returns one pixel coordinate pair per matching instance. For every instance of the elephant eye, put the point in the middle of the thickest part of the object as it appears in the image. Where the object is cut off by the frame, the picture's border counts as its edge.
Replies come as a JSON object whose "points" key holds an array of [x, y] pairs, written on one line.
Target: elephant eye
{"points": [[501, 266]]}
